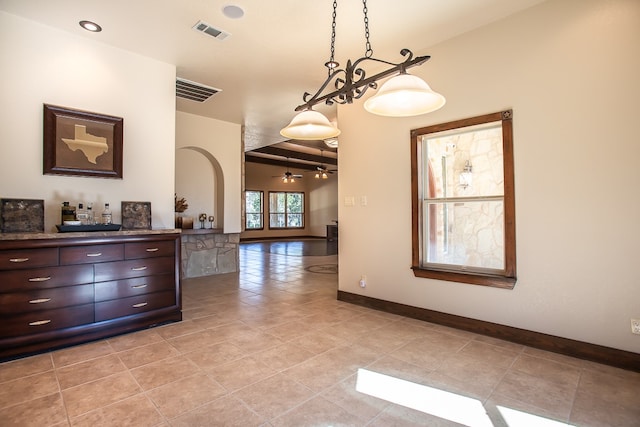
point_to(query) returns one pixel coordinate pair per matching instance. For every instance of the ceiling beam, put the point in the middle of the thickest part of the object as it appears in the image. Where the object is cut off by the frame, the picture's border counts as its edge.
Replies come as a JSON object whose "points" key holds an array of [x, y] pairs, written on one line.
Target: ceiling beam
{"points": [[274, 162], [317, 144], [291, 154]]}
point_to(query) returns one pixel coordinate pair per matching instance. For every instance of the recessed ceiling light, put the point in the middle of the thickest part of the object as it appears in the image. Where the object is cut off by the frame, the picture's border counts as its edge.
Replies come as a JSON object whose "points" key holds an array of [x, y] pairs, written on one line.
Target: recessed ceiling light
{"points": [[90, 26], [233, 11]]}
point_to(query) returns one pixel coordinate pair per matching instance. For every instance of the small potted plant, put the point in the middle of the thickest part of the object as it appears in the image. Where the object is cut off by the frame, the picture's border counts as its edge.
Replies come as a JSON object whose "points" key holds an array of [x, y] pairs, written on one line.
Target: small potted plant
{"points": [[181, 205]]}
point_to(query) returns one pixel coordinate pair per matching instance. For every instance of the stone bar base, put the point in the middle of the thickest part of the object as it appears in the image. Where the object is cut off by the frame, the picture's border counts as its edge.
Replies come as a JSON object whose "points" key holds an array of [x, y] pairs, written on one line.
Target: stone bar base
{"points": [[206, 252]]}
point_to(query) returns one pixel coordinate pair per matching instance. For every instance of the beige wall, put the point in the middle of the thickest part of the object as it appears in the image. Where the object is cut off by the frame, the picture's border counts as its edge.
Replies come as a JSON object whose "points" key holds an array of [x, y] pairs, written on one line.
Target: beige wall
{"points": [[43, 65], [569, 71], [216, 144], [196, 182], [321, 197], [566, 67]]}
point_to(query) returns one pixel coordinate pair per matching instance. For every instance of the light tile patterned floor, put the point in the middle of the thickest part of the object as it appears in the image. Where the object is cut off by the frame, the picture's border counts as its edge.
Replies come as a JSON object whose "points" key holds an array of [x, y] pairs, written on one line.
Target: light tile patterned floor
{"points": [[271, 346]]}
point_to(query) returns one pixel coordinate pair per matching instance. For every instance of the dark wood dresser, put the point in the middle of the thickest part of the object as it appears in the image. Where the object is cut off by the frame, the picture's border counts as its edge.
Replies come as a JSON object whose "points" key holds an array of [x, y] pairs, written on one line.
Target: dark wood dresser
{"points": [[332, 232], [67, 288]]}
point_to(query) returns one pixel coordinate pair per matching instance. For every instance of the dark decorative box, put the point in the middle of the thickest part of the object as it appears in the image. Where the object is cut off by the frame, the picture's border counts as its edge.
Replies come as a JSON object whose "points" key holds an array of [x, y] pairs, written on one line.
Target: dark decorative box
{"points": [[96, 227], [136, 215], [21, 216]]}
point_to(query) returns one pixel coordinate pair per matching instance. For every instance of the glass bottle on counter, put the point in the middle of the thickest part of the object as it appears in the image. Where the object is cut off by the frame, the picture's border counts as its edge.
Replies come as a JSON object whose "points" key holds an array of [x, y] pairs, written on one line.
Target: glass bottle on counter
{"points": [[91, 220], [82, 215], [68, 212], [106, 215]]}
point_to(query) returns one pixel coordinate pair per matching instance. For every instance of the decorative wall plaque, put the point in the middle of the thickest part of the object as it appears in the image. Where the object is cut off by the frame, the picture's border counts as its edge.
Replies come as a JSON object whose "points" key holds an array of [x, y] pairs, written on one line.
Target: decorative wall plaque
{"points": [[136, 215], [21, 216]]}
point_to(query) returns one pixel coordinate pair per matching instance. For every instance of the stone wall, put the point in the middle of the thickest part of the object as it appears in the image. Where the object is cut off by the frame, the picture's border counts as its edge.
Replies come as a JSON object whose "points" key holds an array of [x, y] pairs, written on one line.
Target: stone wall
{"points": [[468, 230], [207, 254]]}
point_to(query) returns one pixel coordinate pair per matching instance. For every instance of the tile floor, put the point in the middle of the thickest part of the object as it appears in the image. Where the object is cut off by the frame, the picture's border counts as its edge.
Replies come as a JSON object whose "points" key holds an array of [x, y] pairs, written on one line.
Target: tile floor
{"points": [[271, 346]]}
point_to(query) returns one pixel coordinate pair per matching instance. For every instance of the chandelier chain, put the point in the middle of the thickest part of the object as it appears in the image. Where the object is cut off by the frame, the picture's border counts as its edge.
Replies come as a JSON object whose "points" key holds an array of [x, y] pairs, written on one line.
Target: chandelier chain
{"points": [[344, 85], [351, 82], [333, 38], [368, 53]]}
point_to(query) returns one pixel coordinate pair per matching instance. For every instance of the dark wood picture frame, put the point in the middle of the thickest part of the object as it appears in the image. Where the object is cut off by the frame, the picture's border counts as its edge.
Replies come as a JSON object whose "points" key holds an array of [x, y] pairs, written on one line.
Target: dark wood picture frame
{"points": [[81, 143]]}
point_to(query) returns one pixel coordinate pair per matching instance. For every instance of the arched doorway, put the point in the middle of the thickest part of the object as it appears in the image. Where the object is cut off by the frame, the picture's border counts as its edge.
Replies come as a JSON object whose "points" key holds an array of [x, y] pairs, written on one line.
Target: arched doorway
{"points": [[200, 180]]}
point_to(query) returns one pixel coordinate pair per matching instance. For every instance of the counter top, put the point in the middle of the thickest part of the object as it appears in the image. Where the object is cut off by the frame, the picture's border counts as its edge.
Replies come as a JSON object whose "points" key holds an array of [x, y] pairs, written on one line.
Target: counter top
{"points": [[202, 231], [90, 234]]}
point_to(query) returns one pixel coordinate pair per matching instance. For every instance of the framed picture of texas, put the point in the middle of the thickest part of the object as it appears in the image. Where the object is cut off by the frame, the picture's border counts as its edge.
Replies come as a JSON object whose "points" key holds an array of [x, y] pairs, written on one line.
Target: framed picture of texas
{"points": [[81, 143]]}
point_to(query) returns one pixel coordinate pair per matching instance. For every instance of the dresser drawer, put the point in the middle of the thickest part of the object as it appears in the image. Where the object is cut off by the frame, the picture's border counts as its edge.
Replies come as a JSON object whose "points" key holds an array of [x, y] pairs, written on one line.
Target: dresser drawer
{"points": [[115, 289], [134, 268], [91, 254], [45, 321], [133, 305], [28, 258], [46, 299], [149, 249], [50, 277]]}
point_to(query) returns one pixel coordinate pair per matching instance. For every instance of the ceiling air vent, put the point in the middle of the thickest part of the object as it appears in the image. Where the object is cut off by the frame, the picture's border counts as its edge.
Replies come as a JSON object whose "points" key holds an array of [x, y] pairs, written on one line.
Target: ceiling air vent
{"points": [[194, 91], [203, 27]]}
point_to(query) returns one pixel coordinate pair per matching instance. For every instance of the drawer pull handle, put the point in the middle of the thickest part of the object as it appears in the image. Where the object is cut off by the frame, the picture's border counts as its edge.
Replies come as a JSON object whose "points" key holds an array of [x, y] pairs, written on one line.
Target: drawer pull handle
{"points": [[139, 268], [39, 301], [152, 249], [139, 286], [39, 322], [39, 279], [95, 254], [18, 259], [142, 304]]}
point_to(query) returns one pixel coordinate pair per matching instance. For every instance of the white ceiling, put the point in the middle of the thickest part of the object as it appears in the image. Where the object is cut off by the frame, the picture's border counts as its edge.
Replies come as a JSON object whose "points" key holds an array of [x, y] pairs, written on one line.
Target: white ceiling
{"points": [[276, 51]]}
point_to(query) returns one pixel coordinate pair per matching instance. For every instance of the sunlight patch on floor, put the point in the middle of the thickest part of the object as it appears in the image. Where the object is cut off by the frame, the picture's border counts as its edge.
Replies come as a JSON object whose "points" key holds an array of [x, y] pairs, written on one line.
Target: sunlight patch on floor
{"points": [[443, 404], [516, 418]]}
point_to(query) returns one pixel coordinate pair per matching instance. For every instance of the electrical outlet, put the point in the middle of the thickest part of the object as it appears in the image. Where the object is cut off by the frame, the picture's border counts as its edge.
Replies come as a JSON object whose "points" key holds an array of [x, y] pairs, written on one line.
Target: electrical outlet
{"points": [[635, 326], [363, 281]]}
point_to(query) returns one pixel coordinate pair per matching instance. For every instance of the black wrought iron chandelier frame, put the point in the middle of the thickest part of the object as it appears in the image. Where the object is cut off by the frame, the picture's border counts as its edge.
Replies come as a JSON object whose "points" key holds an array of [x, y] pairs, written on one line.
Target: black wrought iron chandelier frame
{"points": [[351, 82]]}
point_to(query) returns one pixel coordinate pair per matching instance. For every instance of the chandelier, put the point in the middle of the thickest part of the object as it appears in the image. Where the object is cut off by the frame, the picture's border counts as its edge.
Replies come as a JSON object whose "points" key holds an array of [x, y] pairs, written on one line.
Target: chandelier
{"points": [[401, 96]]}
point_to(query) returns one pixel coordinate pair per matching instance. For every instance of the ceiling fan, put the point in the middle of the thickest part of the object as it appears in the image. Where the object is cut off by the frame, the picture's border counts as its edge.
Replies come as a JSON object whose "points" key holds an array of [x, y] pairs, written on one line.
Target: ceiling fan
{"points": [[288, 176], [321, 171]]}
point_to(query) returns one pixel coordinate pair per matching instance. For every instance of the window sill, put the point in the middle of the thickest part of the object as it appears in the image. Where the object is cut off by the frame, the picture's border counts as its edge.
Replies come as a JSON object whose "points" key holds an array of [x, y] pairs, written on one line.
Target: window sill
{"points": [[286, 228], [494, 281]]}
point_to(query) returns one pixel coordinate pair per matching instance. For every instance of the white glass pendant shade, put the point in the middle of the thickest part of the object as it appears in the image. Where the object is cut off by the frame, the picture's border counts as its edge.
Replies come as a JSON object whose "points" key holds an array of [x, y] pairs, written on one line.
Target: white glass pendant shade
{"points": [[331, 142], [310, 125], [404, 95]]}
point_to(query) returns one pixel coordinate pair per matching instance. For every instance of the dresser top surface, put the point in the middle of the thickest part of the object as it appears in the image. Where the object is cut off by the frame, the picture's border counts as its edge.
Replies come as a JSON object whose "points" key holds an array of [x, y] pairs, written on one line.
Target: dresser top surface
{"points": [[80, 235]]}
